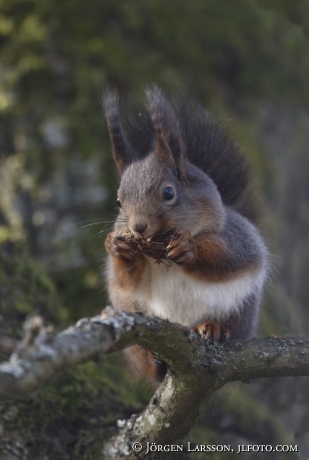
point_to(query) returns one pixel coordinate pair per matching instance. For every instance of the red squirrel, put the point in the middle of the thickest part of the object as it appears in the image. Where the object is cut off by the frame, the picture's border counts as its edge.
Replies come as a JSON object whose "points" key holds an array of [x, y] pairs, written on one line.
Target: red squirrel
{"points": [[179, 172]]}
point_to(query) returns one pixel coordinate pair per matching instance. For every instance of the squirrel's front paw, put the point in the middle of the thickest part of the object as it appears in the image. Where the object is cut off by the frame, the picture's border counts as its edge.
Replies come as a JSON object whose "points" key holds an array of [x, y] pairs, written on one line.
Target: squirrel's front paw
{"points": [[182, 248], [117, 247], [212, 330]]}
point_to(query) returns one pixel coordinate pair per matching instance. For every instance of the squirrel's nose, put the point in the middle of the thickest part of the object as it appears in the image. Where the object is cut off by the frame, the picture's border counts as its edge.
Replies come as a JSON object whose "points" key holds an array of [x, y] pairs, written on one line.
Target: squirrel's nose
{"points": [[139, 227]]}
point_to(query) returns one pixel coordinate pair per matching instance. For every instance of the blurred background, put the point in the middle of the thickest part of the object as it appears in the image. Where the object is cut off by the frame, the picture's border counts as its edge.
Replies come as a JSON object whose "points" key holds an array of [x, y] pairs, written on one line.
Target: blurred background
{"points": [[247, 62]]}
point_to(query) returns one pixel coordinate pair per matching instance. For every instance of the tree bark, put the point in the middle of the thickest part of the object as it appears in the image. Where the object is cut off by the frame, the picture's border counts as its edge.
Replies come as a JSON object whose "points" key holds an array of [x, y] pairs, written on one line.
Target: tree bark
{"points": [[197, 368]]}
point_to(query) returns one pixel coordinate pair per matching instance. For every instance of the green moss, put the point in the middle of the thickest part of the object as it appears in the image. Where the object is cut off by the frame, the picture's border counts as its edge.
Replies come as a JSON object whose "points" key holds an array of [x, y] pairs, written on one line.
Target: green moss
{"points": [[23, 282], [73, 414], [25, 288]]}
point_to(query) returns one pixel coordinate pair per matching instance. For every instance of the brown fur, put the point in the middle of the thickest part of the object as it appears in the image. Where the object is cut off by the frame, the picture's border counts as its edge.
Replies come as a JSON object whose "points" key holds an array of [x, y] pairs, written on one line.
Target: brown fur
{"points": [[143, 362], [213, 249], [128, 266]]}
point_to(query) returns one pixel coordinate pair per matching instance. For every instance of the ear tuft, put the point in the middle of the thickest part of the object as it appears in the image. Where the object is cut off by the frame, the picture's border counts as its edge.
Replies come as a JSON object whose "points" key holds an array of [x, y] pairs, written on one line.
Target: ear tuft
{"points": [[170, 146], [122, 152]]}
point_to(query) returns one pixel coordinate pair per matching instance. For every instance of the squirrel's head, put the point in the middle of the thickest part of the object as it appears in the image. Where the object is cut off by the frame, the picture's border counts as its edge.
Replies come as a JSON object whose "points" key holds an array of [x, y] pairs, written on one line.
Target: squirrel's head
{"points": [[160, 191]]}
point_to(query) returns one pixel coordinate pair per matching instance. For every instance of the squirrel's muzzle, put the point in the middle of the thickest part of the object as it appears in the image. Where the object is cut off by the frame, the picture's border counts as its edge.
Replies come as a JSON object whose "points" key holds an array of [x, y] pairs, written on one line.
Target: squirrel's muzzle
{"points": [[139, 227]]}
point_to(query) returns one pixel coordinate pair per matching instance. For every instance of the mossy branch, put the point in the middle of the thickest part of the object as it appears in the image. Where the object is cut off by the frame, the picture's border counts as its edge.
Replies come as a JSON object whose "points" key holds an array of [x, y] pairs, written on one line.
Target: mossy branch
{"points": [[197, 368]]}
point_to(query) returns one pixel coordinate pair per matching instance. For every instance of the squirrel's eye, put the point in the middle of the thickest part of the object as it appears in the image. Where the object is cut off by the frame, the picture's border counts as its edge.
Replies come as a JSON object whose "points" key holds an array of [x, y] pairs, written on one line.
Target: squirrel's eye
{"points": [[118, 203], [168, 194]]}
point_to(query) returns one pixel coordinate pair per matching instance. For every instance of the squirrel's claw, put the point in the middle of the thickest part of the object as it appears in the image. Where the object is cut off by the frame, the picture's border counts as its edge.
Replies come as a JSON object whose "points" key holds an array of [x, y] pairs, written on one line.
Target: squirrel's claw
{"points": [[116, 247], [212, 330], [182, 249]]}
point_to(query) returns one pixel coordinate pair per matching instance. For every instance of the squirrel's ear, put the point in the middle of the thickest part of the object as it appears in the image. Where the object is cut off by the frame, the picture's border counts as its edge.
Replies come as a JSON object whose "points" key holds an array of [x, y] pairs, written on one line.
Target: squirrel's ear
{"points": [[122, 152], [170, 146]]}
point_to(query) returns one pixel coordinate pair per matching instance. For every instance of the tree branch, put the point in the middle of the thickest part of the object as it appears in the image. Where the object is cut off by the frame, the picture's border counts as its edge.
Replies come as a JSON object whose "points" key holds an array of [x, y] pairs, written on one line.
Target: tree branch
{"points": [[197, 369]]}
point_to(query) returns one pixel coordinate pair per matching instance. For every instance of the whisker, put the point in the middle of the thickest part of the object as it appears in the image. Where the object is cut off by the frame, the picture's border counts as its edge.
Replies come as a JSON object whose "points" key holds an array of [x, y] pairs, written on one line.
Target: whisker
{"points": [[77, 238], [97, 238], [98, 223], [93, 207], [86, 229], [82, 222]]}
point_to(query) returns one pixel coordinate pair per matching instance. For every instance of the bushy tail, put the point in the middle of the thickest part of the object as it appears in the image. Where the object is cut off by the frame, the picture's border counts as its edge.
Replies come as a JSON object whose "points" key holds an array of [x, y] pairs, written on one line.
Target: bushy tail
{"points": [[209, 147]]}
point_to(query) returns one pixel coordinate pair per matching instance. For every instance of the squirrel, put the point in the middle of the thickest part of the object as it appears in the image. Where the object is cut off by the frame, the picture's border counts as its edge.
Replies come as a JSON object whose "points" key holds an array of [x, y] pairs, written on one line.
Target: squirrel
{"points": [[179, 172]]}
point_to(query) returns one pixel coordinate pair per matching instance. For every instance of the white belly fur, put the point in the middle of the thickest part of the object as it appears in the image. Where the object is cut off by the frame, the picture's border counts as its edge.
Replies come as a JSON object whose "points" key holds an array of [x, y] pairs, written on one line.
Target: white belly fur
{"points": [[170, 293]]}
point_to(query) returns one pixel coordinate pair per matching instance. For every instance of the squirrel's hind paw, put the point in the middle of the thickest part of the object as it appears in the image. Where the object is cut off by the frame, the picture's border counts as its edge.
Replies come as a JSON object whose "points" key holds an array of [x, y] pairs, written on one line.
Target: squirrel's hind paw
{"points": [[212, 330]]}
